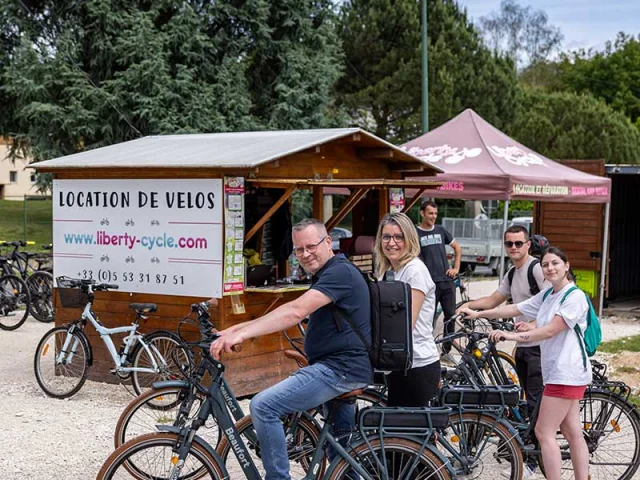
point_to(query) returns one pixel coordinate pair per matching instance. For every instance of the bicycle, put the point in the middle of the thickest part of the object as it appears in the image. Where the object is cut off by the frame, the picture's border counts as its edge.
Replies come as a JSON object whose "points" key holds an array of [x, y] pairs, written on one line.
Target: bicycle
{"points": [[392, 441], [174, 402], [64, 355], [609, 420], [15, 301], [38, 278]]}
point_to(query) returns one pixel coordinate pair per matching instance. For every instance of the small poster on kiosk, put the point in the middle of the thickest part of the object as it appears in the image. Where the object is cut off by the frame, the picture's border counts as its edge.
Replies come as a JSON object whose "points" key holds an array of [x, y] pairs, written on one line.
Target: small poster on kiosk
{"points": [[234, 268], [396, 200]]}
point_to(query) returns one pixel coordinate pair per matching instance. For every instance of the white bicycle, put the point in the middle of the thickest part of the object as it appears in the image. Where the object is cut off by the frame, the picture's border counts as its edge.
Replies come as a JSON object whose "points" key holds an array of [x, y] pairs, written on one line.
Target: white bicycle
{"points": [[64, 354]]}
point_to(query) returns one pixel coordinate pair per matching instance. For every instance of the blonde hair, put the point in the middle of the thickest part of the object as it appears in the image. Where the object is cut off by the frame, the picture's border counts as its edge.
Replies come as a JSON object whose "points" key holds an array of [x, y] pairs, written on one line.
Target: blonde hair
{"points": [[411, 242]]}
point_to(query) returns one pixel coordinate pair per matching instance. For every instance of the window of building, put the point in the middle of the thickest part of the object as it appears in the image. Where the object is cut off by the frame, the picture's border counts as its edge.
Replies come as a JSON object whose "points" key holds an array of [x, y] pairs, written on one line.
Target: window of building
{"points": [[13, 176], [33, 178]]}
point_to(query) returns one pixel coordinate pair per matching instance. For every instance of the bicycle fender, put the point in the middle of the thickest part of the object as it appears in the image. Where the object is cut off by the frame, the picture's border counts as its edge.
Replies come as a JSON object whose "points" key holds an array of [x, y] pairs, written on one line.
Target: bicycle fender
{"points": [[85, 340], [202, 443], [512, 431], [170, 383]]}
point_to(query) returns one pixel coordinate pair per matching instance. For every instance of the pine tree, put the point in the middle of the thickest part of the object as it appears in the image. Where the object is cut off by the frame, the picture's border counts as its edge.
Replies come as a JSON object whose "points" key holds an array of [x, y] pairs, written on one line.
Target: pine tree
{"points": [[382, 82]]}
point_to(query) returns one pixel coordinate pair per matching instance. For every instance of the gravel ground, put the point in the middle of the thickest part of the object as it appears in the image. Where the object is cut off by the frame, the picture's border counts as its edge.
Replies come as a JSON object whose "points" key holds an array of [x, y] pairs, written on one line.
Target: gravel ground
{"points": [[45, 438]]}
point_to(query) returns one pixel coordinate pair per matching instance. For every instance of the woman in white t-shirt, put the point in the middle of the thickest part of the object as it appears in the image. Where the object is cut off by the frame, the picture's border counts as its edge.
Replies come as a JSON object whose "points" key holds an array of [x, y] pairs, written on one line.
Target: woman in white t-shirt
{"points": [[397, 248], [565, 372]]}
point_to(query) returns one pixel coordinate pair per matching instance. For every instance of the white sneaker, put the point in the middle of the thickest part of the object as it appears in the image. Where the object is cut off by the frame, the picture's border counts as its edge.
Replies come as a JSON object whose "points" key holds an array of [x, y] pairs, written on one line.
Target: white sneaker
{"points": [[527, 472]]}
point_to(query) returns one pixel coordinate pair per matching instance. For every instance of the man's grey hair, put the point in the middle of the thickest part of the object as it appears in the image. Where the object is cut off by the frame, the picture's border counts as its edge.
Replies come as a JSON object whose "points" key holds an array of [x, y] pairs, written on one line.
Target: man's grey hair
{"points": [[308, 222]]}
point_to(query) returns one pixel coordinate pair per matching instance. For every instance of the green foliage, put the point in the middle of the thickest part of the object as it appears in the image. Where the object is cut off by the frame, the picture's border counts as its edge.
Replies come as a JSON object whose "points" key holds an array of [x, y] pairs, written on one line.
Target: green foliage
{"points": [[83, 75], [28, 220], [612, 75], [572, 126], [628, 344], [302, 205], [381, 87]]}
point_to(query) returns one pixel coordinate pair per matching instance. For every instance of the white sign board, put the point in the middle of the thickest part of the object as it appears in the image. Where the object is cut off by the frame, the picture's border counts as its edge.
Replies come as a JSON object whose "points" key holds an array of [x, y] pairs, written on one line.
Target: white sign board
{"points": [[149, 236]]}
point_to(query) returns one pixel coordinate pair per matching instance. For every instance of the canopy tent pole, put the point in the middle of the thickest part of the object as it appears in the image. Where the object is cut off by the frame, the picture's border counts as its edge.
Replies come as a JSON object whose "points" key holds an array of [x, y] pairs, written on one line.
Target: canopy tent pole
{"points": [[605, 252], [504, 231]]}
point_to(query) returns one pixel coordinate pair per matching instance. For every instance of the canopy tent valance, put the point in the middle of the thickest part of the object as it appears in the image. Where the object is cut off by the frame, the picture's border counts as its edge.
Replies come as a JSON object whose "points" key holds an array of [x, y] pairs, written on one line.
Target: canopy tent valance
{"points": [[482, 163]]}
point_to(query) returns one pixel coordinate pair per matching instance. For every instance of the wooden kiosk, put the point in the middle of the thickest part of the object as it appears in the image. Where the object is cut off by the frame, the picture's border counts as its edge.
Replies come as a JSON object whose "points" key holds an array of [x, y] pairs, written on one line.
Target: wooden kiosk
{"points": [[119, 209]]}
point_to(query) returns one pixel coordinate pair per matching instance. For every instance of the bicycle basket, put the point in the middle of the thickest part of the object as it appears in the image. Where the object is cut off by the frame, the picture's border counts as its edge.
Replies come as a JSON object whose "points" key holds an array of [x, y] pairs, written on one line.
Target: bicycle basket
{"points": [[70, 296]]}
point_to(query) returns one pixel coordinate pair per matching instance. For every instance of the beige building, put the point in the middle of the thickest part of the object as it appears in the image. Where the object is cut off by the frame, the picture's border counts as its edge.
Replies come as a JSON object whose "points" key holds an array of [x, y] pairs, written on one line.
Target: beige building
{"points": [[16, 180]]}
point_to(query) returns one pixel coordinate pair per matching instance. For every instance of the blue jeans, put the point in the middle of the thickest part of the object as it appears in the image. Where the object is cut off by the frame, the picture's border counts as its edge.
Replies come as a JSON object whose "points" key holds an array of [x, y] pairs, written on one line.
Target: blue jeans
{"points": [[307, 388]]}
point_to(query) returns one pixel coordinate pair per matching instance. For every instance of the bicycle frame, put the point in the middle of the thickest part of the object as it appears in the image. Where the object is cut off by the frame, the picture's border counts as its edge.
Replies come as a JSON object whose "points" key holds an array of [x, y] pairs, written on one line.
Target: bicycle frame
{"points": [[119, 359], [216, 406]]}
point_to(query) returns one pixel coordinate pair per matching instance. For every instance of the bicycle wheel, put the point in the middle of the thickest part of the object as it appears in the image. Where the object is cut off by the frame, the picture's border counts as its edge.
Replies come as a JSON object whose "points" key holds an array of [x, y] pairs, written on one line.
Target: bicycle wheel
{"points": [[159, 407], [399, 456], [371, 397], [611, 428], [61, 372], [508, 364], [172, 355], [41, 291], [14, 302], [151, 457], [302, 442], [488, 448]]}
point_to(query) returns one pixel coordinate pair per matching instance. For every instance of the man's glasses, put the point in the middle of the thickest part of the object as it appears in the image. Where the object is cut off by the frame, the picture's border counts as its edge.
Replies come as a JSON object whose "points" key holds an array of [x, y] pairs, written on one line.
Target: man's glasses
{"points": [[299, 251], [396, 238], [517, 244]]}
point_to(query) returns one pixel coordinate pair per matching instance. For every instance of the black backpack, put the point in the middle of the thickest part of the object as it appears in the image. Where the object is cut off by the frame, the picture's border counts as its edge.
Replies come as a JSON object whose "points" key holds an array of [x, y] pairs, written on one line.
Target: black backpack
{"points": [[534, 289], [392, 341]]}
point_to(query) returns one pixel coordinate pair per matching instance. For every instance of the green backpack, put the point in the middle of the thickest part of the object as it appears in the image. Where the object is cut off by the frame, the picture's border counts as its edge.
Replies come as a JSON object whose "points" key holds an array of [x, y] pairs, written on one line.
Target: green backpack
{"points": [[592, 335]]}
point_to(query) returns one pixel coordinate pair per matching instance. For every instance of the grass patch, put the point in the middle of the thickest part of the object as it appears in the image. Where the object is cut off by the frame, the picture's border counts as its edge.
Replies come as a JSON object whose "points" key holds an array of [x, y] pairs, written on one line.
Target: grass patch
{"points": [[38, 215], [626, 370], [635, 399], [629, 344]]}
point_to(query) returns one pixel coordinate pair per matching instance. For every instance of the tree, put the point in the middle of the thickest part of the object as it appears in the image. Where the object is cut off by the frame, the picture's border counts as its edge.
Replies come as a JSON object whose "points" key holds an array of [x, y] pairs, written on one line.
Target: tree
{"points": [[567, 125], [518, 30], [612, 75], [83, 75], [381, 87]]}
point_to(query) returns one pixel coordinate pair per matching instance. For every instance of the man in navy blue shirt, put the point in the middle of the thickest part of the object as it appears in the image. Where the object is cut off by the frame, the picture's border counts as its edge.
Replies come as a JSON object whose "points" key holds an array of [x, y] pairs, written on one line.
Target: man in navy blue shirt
{"points": [[338, 360]]}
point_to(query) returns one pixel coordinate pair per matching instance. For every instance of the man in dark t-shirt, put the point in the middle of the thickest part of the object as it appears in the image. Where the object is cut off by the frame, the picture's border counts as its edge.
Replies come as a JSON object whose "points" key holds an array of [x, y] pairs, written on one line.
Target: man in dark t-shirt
{"points": [[433, 239], [338, 359]]}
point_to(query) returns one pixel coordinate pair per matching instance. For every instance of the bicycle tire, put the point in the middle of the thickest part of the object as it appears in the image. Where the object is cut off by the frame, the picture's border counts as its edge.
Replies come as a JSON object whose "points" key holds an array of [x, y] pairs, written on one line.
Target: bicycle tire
{"points": [[61, 381], [301, 445], [509, 366], [428, 466], [40, 286], [503, 446], [158, 448], [166, 342], [157, 407], [15, 302], [614, 437], [371, 398]]}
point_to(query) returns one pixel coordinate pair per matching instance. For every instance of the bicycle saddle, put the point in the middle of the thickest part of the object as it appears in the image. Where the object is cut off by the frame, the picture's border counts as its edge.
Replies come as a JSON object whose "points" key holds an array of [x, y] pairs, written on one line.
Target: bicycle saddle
{"points": [[300, 359], [143, 307]]}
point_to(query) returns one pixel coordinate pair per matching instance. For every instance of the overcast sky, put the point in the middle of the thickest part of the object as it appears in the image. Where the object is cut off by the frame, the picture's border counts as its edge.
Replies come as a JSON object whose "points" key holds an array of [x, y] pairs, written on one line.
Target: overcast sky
{"points": [[584, 23]]}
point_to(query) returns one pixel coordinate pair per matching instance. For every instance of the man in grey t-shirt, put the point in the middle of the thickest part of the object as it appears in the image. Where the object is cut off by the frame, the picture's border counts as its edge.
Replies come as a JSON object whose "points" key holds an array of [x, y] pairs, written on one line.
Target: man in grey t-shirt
{"points": [[519, 289]]}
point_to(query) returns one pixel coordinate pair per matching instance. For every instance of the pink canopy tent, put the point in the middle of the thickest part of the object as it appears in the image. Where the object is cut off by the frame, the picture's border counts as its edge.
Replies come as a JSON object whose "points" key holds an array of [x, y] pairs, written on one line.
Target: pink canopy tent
{"points": [[482, 163]]}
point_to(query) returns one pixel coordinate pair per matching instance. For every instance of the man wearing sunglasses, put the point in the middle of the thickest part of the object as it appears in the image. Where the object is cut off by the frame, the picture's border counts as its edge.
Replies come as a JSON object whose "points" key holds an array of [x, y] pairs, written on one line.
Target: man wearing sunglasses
{"points": [[517, 285], [338, 360]]}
